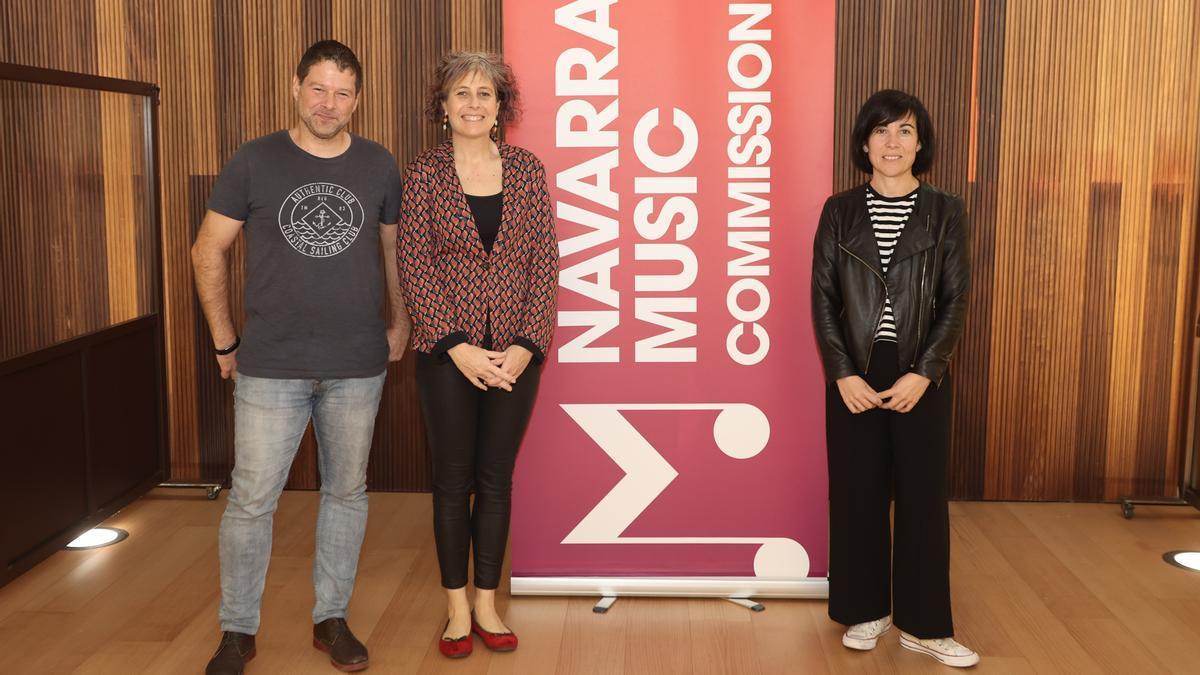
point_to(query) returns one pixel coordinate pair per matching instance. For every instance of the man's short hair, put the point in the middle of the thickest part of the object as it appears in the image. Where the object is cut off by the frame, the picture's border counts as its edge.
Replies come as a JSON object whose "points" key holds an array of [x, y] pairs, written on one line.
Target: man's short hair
{"points": [[330, 50], [883, 108]]}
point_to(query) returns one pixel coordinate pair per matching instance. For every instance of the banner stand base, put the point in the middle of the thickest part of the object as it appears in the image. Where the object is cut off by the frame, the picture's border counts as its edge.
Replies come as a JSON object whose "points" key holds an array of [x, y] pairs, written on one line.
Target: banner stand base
{"points": [[748, 603], [665, 587]]}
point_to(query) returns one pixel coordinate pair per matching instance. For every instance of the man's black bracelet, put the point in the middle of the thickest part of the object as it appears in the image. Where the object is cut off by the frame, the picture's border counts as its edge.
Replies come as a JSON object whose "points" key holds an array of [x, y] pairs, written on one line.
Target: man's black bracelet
{"points": [[237, 340]]}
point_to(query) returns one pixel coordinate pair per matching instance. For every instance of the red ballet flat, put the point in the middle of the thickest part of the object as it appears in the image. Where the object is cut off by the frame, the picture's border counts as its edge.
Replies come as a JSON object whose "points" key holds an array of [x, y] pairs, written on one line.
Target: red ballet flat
{"points": [[497, 642], [456, 648]]}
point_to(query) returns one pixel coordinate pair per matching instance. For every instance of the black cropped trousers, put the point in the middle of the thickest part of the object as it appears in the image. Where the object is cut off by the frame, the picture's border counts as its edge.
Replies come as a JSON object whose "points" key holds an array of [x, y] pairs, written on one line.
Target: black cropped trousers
{"points": [[473, 440], [874, 457]]}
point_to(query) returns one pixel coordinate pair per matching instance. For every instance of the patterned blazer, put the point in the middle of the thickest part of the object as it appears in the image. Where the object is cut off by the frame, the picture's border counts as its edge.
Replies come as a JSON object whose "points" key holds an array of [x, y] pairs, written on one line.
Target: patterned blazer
{"points": [[453, 288]]}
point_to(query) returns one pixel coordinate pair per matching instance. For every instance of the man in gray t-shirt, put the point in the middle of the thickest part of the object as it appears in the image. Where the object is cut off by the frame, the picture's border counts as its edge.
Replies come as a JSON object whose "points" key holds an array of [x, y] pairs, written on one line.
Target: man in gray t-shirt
{"points": [[316, 204]]}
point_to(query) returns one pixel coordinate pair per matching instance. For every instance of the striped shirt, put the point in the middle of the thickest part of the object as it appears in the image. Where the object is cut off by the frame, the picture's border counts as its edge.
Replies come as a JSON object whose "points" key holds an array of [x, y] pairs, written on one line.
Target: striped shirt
{"points": [[888, 216]]}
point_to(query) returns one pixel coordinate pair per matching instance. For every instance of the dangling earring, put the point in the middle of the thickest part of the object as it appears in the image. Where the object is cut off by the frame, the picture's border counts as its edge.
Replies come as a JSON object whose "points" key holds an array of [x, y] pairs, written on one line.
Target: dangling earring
{"points": [[495, 130], [446, 122]]}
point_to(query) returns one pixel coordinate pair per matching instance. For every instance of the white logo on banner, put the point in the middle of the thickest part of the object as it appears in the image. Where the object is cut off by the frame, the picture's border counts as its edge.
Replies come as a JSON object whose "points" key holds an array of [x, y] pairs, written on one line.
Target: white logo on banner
{"points": [[740, 431], [320, 219]]}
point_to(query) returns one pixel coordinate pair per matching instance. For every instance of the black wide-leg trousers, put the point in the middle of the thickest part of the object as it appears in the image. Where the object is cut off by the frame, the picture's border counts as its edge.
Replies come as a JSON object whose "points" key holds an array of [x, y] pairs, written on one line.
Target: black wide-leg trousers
{"points": [[876, 456], [473, 439]]}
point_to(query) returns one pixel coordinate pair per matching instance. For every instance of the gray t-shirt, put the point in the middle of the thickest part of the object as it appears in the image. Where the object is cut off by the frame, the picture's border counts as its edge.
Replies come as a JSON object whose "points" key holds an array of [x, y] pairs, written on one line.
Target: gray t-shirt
{"points": [[314, 280]]}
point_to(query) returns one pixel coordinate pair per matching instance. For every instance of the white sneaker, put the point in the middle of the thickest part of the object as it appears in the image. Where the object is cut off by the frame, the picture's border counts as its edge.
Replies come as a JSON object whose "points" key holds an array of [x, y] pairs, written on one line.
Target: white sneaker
{"points": [[864, 635], [944, 649]]}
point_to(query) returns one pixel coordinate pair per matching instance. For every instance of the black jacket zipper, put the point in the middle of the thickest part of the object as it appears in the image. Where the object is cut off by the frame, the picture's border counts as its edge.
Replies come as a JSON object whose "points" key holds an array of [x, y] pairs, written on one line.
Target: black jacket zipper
{"points": [[871, 349], [921, 301]]}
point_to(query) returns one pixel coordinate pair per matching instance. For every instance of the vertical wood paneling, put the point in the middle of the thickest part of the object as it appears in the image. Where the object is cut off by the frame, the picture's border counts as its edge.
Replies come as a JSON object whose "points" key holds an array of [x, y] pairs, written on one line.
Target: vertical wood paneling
{"points": [[1158, 325], [1100, 289], [225, 70], [72, 179], [1070, 129], [474, 25], [120, 116], [968, 451]]}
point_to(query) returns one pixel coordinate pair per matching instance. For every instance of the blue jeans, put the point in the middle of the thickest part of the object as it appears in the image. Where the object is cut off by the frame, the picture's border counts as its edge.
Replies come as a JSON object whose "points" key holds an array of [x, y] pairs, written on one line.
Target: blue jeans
{"points": [[270, 416]]}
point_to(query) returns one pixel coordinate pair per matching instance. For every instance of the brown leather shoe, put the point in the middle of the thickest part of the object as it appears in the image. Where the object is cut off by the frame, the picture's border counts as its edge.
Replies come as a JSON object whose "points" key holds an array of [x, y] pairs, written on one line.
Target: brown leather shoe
{"points": [[234, 652], [346, 653]]}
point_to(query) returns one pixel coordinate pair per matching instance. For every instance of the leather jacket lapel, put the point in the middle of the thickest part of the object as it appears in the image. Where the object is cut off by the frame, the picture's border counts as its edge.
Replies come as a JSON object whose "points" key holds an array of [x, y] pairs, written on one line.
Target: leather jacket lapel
{"points": [[914, 239], [916, 236], [859, 236]]}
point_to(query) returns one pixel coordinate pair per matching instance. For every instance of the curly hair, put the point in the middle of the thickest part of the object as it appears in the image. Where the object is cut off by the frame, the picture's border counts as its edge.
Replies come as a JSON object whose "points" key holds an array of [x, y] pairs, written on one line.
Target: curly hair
{"points": [[456, 65]]}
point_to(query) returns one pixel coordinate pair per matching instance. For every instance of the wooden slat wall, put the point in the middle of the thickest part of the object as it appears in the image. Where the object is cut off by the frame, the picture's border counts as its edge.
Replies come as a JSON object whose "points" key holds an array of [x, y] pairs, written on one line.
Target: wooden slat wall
{"points": [[225, 69], [75, 220], [1071, 131]]}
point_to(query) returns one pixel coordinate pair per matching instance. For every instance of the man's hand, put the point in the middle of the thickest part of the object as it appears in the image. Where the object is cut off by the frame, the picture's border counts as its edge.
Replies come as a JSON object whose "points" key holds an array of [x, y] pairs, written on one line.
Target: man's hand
{"points": [[228, 364], [397, 337], [400, 330], [210, 261]]}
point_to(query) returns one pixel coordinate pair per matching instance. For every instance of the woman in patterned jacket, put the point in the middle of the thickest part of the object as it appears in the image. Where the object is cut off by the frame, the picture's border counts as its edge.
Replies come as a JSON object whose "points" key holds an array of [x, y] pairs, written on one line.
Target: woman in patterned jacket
{"points": [[478, 269]]}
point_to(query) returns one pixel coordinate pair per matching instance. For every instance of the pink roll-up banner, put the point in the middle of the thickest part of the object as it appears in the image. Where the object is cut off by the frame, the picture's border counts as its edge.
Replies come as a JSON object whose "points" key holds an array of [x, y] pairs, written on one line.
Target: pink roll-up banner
{"points": [[677, 446]]}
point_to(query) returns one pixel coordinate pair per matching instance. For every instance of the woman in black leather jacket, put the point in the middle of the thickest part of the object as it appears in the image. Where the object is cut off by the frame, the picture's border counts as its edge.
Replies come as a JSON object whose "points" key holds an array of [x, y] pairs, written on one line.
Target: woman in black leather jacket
{"points": [[891, 272]]}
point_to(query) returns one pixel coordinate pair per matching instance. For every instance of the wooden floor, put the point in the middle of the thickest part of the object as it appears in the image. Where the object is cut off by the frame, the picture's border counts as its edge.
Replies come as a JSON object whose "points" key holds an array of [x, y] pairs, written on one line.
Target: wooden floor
{"points": [[1069, 588]]}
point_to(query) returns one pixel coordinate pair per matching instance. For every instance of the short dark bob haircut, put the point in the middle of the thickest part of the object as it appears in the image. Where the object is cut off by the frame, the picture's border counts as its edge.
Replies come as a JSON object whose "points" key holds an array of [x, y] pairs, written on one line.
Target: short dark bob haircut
{"points": [[330, 50], [456, 65], [883, 108]]}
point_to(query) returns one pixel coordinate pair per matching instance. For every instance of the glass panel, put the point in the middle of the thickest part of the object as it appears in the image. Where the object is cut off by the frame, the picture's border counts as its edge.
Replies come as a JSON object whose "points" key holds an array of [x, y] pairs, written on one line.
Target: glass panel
{"points": [[76, 214]]}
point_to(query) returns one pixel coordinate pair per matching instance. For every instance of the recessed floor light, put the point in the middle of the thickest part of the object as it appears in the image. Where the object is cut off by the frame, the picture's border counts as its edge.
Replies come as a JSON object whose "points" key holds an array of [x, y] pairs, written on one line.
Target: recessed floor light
{"points": [[1188, 560], [98, 537]]}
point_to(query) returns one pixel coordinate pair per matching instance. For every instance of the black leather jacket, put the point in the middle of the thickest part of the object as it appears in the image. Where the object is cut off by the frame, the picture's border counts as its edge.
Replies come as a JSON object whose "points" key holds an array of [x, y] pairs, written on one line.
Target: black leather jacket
{"points": [[927, 280]]}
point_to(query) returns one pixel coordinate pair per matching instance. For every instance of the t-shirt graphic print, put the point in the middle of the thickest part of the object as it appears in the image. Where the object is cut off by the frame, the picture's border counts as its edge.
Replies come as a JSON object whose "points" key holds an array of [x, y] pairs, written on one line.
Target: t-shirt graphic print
{"points": [[321, 219], [314, 290]]}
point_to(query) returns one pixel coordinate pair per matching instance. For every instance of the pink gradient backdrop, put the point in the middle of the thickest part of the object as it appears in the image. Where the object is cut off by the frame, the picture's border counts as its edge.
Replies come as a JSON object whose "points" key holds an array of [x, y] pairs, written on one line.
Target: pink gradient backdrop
{"points": [[673, 53]]}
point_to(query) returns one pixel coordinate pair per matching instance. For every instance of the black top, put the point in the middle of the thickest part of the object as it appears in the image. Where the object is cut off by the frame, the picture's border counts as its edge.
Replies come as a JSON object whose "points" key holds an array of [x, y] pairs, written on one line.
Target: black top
{"points": [[486, 211]]}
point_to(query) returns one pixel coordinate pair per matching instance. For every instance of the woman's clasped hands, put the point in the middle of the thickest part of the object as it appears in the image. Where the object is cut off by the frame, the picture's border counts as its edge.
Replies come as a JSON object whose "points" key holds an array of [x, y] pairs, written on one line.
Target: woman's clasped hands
{"points": [[486, 368], [901, 397]]}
